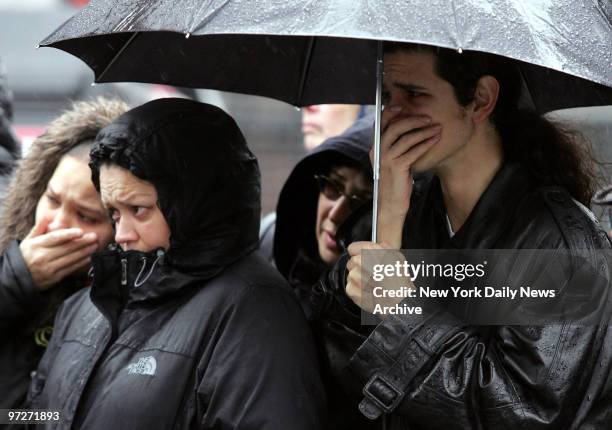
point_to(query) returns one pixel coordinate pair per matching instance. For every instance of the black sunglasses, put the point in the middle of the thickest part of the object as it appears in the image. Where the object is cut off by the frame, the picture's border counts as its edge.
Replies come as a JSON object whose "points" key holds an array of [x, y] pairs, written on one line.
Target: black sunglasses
{"points": [[333, 190]]}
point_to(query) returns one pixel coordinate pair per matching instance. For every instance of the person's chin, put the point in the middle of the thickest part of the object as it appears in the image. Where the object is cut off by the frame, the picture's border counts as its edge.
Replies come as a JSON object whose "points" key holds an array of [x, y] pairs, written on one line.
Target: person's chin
{"points": [[311, 141], [328, 255]]}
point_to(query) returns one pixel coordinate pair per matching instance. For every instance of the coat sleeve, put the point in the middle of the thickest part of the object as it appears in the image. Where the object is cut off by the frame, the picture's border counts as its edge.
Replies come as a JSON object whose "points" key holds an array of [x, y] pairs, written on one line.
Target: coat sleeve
{"points": [[18, 296], [261, 372]]}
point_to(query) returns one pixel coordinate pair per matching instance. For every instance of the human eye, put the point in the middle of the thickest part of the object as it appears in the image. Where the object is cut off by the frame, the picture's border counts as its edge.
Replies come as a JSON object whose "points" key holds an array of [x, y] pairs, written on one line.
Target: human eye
{"points": [[328, 187], [88, 219], [365, 196], [360, 197], [413, 93], [52, 199], [139, 211]]}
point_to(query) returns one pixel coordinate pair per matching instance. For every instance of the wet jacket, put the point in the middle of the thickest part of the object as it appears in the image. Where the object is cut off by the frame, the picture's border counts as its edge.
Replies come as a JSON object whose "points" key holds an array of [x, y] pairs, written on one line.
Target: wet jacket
{"points": [[21, 347], [296, 253], [10, 153], [17, 295], [202, 336], [432, 376], [10, 148]]}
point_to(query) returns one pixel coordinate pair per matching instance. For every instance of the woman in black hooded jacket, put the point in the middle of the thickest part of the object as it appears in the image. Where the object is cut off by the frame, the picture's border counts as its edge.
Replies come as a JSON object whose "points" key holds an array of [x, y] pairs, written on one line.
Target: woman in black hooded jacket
{"points": [[300, 251], [308, 240], [186, 326]]}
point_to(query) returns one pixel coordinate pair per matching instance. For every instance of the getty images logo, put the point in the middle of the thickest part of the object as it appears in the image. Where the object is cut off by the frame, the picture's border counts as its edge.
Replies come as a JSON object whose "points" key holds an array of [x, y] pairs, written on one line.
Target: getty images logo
{"points": [[144, 366]]}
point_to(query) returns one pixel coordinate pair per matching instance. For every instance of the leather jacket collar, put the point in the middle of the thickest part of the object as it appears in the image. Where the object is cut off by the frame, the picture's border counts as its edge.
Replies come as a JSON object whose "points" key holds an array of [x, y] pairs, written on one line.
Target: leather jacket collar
{"points": [[484, 225]]}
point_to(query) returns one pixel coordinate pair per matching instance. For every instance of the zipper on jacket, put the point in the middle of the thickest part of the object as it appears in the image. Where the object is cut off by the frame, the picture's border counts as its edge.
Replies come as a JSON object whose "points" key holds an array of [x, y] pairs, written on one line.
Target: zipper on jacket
{"points": [[124, 271]]}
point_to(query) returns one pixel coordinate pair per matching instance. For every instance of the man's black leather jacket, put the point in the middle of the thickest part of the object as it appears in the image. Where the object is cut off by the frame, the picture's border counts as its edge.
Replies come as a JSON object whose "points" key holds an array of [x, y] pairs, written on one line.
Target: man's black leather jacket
{"points": [[433, 376]]}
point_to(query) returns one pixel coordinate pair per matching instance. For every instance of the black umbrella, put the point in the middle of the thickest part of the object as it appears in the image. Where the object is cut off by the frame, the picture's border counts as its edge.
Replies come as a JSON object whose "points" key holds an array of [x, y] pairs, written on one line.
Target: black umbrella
{"points": [[308, 52]]}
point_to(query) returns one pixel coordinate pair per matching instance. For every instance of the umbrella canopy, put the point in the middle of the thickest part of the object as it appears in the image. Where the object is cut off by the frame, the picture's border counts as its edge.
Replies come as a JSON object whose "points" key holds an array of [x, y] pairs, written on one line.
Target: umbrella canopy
{"points": [[322, 51]]}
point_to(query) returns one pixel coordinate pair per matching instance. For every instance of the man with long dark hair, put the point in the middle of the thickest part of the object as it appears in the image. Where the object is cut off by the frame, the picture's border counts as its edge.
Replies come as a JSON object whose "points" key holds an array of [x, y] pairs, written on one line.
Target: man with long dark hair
{"points": [[503, 178]]}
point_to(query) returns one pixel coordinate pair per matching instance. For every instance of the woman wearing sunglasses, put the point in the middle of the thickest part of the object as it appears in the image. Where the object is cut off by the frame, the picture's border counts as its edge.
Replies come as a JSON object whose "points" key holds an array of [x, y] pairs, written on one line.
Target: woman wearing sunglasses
{"points": [[322, 191]]}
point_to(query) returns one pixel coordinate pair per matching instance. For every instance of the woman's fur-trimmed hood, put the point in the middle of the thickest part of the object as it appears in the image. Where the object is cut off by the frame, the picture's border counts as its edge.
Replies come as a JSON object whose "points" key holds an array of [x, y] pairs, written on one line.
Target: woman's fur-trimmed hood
{"points": [[82, 122]]}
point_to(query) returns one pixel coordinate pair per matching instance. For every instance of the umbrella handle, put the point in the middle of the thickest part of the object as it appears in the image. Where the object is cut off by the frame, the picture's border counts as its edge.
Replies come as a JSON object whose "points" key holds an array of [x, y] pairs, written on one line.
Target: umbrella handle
{"points": [[377, 120]]}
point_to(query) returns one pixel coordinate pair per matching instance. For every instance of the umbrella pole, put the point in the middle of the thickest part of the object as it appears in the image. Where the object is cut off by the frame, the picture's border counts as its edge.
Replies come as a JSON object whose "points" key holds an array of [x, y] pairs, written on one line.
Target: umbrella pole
{"points": [[376, 163]]}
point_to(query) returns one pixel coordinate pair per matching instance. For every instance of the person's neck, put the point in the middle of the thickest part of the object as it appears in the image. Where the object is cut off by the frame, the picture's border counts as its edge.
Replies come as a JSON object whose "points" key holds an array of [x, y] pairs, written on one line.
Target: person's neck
{"points": [[467, 174]]}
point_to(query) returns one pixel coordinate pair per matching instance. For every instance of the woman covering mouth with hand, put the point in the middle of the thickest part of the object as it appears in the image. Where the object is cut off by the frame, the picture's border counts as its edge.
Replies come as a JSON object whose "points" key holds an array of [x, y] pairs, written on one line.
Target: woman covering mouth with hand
{"points": [[52, 221]]}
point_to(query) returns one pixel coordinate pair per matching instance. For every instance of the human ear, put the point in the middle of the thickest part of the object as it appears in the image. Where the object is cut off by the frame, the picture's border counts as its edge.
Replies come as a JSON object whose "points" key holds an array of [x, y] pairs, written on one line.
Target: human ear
{"points": [[485, 98]]}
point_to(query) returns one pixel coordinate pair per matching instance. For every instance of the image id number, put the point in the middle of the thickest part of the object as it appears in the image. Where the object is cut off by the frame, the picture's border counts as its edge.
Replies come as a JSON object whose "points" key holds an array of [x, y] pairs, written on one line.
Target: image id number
{"points": [[27, 416]]}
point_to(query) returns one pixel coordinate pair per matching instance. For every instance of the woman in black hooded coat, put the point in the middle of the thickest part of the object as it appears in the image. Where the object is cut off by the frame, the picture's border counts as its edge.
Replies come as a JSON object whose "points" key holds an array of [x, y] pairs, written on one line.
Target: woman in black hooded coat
{"points": [[296, 239], [200, 333], [301, 251]]}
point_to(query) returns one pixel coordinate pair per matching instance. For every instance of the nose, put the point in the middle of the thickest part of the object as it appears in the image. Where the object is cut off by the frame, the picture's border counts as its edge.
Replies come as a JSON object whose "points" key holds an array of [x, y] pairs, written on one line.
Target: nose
{"points": [[125, 233], [340, 210], [60, 219], [395, 111], [396, 107]]}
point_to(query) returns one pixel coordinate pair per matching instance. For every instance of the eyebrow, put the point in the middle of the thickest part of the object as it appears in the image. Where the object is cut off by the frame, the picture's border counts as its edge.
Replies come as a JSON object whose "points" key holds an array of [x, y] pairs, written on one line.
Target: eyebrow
{"points": [[408, 87], [126, 199], [130, 196], [90, 209]]}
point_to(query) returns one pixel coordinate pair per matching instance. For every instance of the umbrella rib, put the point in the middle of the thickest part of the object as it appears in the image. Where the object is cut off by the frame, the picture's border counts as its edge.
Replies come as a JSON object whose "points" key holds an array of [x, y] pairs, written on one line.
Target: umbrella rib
{"points": [[117, 55], [524, 78], [305, 70]]}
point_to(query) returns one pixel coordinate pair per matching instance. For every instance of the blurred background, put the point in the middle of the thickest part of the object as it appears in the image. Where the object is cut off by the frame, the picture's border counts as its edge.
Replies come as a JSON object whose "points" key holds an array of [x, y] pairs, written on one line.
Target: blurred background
{"points": [[45, 81]]}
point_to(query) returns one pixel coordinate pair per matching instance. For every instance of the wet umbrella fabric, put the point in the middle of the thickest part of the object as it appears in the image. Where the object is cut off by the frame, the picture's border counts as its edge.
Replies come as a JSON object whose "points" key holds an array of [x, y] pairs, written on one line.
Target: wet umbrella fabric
{"points": [[307, 52]]}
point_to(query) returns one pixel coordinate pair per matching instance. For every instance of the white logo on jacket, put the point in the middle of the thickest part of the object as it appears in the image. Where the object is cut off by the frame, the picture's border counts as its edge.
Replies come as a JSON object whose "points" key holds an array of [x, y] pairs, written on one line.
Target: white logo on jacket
{"points": [[144, 366]]}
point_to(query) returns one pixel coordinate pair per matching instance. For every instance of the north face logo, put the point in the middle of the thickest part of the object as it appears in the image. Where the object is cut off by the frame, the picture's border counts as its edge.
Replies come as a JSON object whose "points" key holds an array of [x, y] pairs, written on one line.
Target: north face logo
{"points": [[144, 366]]}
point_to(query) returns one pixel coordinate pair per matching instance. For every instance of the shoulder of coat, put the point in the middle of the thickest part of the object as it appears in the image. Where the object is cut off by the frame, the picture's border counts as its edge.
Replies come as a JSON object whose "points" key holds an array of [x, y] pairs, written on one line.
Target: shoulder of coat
{"points": [[578, 225]]}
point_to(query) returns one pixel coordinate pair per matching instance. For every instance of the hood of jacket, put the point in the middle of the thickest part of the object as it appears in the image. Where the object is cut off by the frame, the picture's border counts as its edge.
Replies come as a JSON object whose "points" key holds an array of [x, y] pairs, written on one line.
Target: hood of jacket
{"points": [[10, 152], [9, 145], [296, 211], [207, 179], [11, 149]]}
